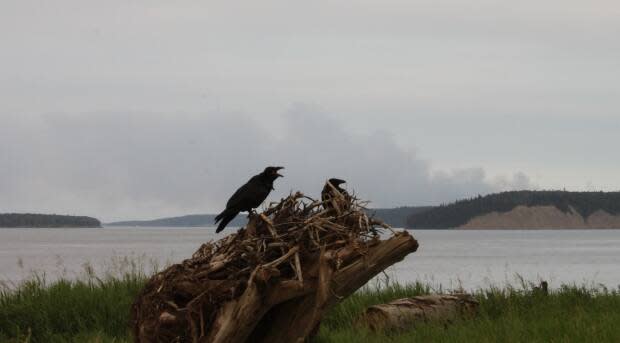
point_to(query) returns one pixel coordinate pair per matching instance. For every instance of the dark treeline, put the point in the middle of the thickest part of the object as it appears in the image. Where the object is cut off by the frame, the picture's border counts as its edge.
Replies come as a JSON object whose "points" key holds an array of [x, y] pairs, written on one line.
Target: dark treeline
{"points": [[46, 220], [461, 211], [396, 217]]}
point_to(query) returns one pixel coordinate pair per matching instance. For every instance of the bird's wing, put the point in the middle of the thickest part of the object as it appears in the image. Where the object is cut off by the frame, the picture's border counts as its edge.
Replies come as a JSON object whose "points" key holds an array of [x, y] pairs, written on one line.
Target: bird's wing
{"points": [[239, 196], [325, 193], [248, 196]]}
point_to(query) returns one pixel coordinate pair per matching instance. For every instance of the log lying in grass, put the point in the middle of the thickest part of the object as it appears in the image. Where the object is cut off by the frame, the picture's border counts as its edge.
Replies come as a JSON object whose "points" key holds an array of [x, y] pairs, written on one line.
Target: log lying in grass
{"points": [[273, 280], [403, 314]]}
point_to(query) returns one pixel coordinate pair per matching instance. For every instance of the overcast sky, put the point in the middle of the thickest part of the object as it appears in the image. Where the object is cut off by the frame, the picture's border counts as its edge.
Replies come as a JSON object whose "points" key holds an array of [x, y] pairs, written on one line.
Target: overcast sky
{"points": [[142, 109]]}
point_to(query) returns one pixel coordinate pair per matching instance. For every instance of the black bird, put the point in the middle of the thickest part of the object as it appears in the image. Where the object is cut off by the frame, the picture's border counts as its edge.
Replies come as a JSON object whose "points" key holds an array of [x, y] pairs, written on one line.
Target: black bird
{"points": [[248, 196], [328, 192]]}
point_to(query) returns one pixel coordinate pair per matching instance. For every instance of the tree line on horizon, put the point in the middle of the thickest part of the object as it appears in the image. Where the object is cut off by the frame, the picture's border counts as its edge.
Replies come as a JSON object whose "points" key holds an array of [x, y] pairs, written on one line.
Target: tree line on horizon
{"points": [[461, 211], [33, 220]]}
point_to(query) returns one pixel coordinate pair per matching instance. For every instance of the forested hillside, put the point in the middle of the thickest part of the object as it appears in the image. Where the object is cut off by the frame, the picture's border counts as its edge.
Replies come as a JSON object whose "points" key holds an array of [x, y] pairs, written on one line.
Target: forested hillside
{"points": [[46, 220], [460, 212], [397, 217]]}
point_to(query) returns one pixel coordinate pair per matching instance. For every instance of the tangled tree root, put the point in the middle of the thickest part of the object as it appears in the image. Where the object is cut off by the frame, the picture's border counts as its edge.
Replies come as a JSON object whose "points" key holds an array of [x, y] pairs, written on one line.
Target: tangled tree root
{"points": [[271, 281]]}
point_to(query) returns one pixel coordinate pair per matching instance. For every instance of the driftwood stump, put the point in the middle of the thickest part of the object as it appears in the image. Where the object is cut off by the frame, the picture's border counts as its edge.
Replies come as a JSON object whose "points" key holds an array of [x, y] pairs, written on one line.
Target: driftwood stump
{"points": [[273, 280], [405, 313]]}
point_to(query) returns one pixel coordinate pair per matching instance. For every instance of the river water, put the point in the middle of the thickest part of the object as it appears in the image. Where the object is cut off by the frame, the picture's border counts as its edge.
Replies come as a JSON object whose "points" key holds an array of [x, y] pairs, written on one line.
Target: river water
{"points": [[451, 258]]}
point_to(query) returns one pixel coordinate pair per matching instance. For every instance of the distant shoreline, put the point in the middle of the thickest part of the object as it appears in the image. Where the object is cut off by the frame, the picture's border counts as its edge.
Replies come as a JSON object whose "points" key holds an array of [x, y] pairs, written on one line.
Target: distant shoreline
{"points": [[36, 220], [395, 217], [528, 210]]}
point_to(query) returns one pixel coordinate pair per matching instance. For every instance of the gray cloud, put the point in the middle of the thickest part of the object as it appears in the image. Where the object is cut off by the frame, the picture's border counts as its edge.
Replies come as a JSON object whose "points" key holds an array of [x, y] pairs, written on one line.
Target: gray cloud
{"points": [[481, 88], [127, 165]]}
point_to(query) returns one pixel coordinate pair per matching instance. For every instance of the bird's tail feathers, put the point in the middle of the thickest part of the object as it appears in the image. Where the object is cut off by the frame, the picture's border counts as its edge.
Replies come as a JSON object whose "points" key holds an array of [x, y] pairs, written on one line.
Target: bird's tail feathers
{"points": [[219, 217], [225, 218]]}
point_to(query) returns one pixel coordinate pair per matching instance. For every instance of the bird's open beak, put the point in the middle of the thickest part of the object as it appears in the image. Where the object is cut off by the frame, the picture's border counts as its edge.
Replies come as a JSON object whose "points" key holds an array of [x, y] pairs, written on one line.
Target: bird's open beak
{"points": [[278, 168]]}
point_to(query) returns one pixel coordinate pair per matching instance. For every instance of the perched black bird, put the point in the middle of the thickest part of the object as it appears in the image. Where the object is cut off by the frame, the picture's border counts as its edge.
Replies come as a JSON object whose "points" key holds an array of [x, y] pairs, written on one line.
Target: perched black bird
{"points": [[328, 191], [248, 196]]}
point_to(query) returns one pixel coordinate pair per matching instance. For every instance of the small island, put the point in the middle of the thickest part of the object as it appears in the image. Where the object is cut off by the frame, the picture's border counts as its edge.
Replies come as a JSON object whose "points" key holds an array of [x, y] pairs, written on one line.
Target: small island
{"points": [[32, 220], [525, 210]]}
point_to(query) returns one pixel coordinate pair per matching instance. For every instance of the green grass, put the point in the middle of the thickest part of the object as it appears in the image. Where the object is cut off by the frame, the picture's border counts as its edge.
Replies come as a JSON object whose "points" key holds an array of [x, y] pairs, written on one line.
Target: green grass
{"points": [[68, 311], [569, 314], [97, 310]]}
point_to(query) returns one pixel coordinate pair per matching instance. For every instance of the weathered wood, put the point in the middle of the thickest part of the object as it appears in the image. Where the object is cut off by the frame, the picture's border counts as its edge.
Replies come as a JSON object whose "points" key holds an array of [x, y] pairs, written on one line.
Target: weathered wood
{"points": [[297, 319], [272, 281], [405, 313]]}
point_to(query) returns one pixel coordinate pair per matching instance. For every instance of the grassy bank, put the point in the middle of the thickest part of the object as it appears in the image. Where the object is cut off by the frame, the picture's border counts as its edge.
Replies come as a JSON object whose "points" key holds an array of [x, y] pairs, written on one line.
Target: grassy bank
{"points": [[97, 310], [568, 314]]}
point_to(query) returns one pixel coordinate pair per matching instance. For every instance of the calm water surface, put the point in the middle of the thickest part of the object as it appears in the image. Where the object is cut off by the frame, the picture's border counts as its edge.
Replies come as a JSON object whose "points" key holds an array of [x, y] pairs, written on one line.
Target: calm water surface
{"points": [[470, 259]]}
